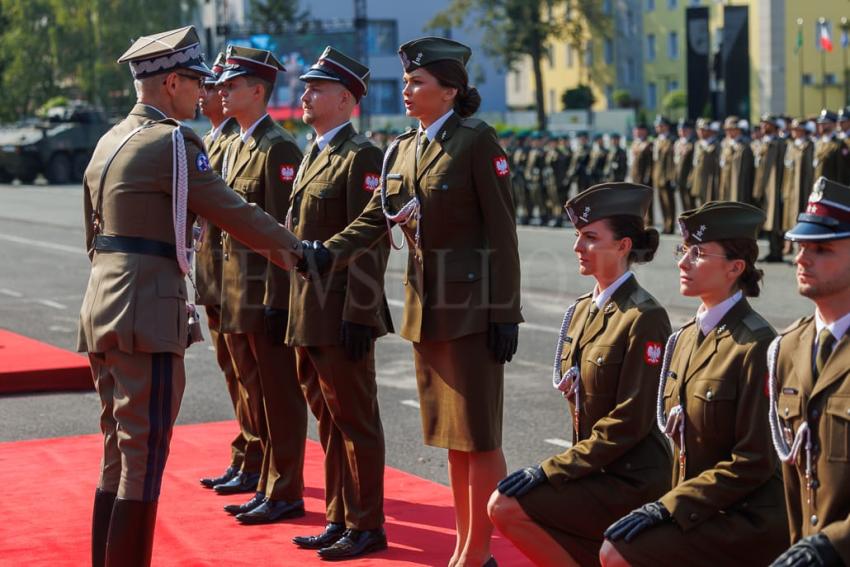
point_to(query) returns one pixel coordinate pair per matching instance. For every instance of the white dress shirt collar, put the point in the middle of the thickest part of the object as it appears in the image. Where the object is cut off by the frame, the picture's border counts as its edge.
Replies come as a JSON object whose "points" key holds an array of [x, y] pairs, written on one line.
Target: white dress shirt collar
{"points": [[837, 328], [434, 129], [602, 297], [246, 135], [216, 132], [326, 138], [709, 317]]}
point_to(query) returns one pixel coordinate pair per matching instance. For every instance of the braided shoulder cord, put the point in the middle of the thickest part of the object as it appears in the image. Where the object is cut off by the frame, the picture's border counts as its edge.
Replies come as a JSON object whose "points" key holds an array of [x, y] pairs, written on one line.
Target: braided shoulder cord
{"points": [[786, 454], [179, 199], [662, 382], [410, 210], [559, 382]]}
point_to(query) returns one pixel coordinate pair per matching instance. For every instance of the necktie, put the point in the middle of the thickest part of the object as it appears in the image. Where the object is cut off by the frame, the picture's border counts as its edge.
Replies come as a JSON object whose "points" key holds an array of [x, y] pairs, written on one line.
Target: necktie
{"points": [[314, 151], [825, 344], [423, 145]]}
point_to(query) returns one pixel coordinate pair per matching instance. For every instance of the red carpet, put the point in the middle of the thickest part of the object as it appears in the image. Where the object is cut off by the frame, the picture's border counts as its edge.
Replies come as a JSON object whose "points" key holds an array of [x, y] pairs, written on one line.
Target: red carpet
{"points": [[27, 365], [48, 486]]}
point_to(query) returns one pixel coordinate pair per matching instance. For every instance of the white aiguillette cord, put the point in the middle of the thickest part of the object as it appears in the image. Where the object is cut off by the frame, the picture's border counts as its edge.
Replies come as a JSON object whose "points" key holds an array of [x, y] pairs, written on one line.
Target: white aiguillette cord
{"points": [[787, 454], [675, 422], [411, 209]]}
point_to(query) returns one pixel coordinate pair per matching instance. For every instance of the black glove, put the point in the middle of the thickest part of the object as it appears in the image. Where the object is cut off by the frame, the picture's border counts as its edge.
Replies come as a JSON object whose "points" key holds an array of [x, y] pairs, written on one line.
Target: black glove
{"points": [[629, 526], [275, 320], [522, 481], [316, 259], [811, 551], [502, 340], [356, 338]]}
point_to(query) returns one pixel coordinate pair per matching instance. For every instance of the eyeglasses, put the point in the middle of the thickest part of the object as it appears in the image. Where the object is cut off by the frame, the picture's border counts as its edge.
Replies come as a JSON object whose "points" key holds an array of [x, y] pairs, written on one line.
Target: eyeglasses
{"points": [[197, 78], [694, 253]]}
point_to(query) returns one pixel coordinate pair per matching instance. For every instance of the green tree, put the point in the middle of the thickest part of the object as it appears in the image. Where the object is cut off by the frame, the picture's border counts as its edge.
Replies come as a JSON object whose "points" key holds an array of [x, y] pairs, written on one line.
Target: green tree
{"points": [[579, 98], [622, 98], [519, 28], [274, 15], [674, 104]]}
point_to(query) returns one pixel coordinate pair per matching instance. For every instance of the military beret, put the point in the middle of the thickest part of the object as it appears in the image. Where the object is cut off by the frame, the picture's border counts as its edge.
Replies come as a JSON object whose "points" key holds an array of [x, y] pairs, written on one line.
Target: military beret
{"points": [[425, 50], [217, 69], [333, 65], [242, 60], [597, 137], [721, 220], [731, 122], [827, 116], [642, 126], [608, 200], [166, 51], [827, 215], [582, 134], [615, 135]]}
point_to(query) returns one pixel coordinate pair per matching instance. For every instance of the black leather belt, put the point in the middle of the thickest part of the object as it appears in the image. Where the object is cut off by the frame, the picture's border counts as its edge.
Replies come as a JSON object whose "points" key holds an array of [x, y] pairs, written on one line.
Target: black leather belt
{"points": [[135, 245]]}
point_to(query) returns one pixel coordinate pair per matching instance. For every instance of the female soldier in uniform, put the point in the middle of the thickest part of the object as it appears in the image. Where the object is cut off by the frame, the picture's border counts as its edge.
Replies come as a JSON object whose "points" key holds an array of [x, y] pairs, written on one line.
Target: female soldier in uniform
{"points": [[447, 185], [609, 354], [726, 506]]}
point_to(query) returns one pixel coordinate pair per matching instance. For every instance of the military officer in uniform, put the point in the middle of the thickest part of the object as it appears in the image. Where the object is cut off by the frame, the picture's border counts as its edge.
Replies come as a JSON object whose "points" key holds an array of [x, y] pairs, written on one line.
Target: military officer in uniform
{"points": [[246, 454], [518, 162], [831, 153], [579, 172], [134, 316], [736, 164], [334, 321], [447, 185], [844, 124], [616, 162], [683, 160], [562, 168], [798, 177], [534, 178], [598, 157], [609, 354], [767, 187], [260, 165], [706, 171], [726, 506], [664, 171], [552, 160], [810, 387]]}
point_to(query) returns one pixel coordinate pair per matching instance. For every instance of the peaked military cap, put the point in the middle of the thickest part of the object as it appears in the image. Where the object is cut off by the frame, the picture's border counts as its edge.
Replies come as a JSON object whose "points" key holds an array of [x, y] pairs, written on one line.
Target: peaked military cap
{"points": [[827, 215], [827, 115], [768, 118], [259, 63], [721, 220], [703, 124], [608, 200], [685, 123], [165, 51], [425, 50], [217, 69], [731, 122], [798, 124], [334, 65], [661, 120], [844, 114]]}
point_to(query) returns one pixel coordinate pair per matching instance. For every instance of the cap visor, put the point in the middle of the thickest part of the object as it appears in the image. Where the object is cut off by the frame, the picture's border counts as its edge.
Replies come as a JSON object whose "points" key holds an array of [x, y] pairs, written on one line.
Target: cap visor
{"points": [[804, 231], [202, 69], [318, 75], [231, 73]]}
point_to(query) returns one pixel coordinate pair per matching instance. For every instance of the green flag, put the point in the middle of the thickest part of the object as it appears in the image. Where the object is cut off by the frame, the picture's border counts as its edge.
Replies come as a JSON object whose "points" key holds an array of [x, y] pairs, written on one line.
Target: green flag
{"points": [[799, 44]]}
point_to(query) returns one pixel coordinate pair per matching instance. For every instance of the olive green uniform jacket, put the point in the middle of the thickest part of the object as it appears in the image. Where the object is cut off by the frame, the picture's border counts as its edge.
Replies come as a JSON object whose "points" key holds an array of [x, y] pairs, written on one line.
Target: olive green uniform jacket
{"points": [[641, 167], [464, 271], [616, 165], [249, 282], [797, 180], [706, 172], [831, 159], [736, 171], [767, 187], [328, 194], [825, 403]]}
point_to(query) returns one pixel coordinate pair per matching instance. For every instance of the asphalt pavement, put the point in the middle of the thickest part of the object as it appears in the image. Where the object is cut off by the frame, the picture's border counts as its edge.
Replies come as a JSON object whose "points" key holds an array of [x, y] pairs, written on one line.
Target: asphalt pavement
{"points": [[45, 270]]}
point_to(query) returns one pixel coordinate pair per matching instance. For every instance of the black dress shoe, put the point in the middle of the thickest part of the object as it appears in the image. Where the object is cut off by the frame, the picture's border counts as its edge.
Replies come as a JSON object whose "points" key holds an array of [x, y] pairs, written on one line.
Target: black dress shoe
{"points": [[330, 536], [235, 509], [355, 543], [272, 511], [239, 484], [228, 475], [491, 562]]}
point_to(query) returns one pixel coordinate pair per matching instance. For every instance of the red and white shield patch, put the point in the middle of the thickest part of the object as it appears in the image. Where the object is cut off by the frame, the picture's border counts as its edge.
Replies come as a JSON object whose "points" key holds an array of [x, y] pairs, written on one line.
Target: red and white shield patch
{"points": [[287, 172], [501, 165], [371, 182], [652, 353]]}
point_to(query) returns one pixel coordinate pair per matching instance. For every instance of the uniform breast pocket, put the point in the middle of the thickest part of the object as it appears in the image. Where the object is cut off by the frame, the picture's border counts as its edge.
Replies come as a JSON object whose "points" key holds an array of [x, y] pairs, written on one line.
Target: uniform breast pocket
{"points": [[713, 406], [838, 428], [249, 189], [394, 183], [671, 392], [325, 203], [452, 195], [602, 369]]}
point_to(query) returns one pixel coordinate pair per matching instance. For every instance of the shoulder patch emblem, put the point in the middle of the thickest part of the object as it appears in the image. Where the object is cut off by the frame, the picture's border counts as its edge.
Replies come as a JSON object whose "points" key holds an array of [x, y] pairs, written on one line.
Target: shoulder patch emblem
{"points": [[202, 162], [501, 165], [652, 353], [287, 172], [371, 182]]}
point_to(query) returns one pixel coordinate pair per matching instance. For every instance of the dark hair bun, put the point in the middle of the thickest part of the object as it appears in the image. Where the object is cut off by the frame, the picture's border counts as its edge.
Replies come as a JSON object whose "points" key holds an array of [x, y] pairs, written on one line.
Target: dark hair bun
{"points": [[749, 280], [467, 104], [645, 245]]}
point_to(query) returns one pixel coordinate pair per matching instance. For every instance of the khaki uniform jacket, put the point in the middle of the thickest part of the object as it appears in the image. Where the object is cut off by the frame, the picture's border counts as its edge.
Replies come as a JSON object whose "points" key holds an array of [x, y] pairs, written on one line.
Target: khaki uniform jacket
{"points": [[683, 160], [663, 162], [736, 172], [465, 271], [579, 167], [596, 165], [797, 180], [208, 256], [137, 302], [706, 172], [328, 195], [826, 405], [720, 383], [831, 159], [261, 171], [767, 187], [641, 168], [616, 165], [619, 353]]}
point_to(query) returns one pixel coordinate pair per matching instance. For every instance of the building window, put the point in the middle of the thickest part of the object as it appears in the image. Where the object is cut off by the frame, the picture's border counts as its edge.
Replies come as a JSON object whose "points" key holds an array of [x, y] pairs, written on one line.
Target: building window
{"points": [[606, 6], [650, 5], [384, 96], [588, 54], [650, 47], [807, 79], [673, 85], [628, 71], [630, 21], [651, 95], [694, 2], [671, 4], [552, 100], [829, 79], [609, 95], [608, 48], [673, 45], [382, 37], [517, 82], [551, 56], [570, 56]]}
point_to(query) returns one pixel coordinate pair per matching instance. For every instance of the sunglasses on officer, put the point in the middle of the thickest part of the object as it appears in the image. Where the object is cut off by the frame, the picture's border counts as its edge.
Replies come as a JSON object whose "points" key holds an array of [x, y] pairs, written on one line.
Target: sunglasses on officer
{"points": [[197, 78]]}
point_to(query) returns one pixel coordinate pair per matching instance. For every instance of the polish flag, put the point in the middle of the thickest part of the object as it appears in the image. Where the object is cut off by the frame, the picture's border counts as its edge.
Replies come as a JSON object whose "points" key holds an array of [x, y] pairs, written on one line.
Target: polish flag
{"points": [[825, 39]]}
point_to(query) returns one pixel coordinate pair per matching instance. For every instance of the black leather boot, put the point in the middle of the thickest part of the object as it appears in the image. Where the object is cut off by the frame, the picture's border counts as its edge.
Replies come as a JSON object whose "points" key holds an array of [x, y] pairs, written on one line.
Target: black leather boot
{"points": [[130, 539], [103, 502]]}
